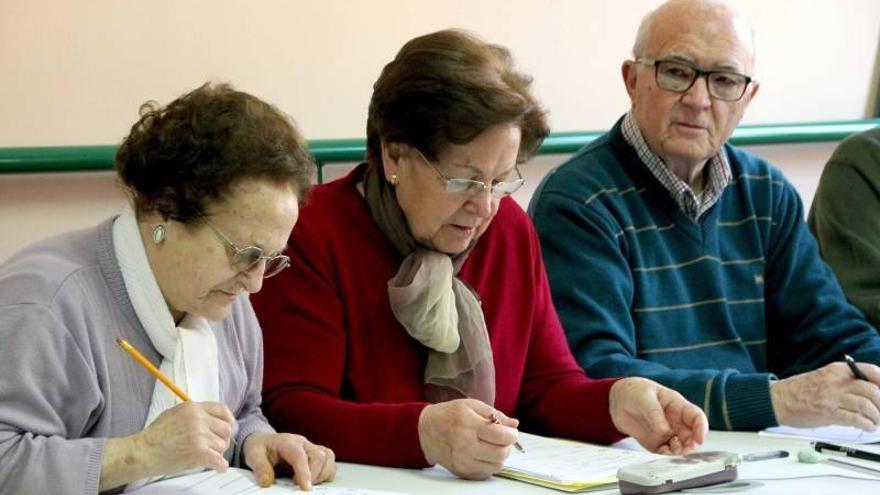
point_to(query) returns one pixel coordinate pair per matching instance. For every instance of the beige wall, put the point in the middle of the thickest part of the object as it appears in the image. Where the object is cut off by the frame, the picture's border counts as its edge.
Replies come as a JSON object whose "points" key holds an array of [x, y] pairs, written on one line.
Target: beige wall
{"points": [[75, 72], [34, 206]]}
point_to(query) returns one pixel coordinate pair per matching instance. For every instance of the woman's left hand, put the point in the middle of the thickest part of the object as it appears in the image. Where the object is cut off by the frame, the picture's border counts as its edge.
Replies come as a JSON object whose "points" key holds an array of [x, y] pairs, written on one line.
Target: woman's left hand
{"points": [[311, 463], [659, 418]]}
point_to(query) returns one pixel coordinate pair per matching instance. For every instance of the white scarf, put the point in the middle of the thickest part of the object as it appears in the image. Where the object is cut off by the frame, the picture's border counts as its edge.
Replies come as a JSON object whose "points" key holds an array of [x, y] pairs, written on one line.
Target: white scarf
{"points": [[189, 351]]}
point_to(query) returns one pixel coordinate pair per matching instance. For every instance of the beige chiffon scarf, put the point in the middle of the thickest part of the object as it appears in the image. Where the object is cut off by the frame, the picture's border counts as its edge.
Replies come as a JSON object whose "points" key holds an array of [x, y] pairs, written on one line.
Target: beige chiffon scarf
{"points": [[434, 306]]}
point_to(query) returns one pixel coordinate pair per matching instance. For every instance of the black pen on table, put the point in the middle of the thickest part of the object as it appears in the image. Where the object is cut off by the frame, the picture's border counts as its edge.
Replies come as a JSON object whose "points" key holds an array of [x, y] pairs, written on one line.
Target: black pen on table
{"points": [[855, 369], [847, 451]]}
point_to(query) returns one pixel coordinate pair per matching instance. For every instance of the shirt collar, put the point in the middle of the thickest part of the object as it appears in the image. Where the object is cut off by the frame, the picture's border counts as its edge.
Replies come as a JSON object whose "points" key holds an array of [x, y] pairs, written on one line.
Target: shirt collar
{"points": [[718, 173]]}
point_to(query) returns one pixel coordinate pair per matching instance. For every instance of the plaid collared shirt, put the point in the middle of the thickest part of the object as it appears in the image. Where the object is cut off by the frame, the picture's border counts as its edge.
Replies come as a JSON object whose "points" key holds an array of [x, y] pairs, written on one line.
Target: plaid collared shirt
{"points": [[694, 205]]}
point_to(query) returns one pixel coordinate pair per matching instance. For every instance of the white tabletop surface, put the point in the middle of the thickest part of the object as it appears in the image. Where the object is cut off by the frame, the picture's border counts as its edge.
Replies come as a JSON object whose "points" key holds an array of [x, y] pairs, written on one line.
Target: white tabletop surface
{"points": [[776, 476]]}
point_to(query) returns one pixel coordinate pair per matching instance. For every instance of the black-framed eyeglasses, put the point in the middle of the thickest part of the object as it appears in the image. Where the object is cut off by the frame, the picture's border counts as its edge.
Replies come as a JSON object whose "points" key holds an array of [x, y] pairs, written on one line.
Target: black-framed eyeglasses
{"points": [[243, 259], [678, 76], [470, 187]]}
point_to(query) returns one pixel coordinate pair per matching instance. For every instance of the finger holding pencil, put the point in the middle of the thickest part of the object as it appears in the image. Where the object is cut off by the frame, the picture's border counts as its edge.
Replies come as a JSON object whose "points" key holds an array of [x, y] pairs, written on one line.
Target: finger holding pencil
{"points": [[223, 414]]}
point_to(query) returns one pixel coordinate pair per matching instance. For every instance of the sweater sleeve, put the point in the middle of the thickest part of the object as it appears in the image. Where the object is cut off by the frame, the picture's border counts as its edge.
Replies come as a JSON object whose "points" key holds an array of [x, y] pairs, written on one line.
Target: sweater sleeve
{"points": [[593, 289], [249, 416], [845, 218], [304, 331], [48, 398], [809, 322], [557, 398]]}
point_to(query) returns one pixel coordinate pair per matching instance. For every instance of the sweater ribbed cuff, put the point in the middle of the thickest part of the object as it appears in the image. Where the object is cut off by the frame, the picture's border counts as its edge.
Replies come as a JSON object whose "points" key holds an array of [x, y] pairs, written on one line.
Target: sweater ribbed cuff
{"points": [[747, 398], [94, 465], [249, 427]]}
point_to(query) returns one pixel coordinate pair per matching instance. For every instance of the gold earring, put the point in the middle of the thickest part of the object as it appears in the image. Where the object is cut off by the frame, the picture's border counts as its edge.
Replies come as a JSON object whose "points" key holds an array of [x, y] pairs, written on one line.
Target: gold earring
{"points": [[394, 179]]}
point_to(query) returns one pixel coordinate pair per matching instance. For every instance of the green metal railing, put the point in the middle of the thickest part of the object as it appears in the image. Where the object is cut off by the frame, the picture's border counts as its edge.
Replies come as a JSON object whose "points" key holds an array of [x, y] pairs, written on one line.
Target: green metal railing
{"points": [[91, 158]]}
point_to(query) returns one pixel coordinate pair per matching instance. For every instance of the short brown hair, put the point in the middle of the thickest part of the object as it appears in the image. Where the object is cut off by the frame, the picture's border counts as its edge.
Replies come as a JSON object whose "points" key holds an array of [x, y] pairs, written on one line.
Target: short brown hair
{"points": [[190, 152], [446, 88]]}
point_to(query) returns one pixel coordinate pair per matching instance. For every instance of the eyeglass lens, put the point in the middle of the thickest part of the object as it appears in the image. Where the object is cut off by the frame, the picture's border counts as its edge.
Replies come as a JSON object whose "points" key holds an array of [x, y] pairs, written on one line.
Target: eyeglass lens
{"points": [[676, 76], [248, 257]]}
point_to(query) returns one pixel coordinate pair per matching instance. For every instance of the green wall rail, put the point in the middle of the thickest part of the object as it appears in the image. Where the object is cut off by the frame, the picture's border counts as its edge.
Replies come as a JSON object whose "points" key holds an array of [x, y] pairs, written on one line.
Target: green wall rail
{"points": [[92, 158]]}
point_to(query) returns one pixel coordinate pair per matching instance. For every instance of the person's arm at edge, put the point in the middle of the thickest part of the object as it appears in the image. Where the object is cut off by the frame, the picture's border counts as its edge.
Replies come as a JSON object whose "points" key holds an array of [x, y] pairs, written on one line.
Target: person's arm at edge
{"points": [[36, 412], [845, 218]]}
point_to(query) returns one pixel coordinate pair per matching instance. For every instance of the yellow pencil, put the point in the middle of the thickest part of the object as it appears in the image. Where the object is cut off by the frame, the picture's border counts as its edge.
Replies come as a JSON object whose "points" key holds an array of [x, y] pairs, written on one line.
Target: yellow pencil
{"points": [[152, 369], [155, 372]]}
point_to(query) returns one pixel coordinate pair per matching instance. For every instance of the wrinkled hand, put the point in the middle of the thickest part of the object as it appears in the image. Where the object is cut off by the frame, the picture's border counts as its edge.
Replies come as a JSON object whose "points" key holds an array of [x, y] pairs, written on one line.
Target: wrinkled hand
{"points": [[310, 463], [459, 436], [187, 436], [659, 418], [829, 395]]}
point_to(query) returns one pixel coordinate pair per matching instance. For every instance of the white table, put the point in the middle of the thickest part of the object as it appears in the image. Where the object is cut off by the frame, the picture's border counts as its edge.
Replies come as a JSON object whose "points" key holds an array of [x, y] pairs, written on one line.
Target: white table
{"points": [[768, 476]]}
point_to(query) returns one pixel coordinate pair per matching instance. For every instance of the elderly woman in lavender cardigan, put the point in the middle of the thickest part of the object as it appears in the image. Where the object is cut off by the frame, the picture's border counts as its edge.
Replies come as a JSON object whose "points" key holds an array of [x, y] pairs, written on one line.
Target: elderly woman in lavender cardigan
{"points": [[214, 180]]}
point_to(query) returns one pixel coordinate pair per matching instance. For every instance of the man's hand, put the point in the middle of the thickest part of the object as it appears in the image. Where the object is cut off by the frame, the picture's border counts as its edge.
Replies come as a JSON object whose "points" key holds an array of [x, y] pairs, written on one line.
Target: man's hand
{"points": [[829, 395], [459, 436], [311, 463], [659, 418]]}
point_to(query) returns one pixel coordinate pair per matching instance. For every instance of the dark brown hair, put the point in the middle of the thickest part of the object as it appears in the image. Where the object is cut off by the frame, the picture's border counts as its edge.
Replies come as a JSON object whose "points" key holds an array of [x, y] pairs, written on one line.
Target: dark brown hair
{"points": [[446, 88], [179, 157]]}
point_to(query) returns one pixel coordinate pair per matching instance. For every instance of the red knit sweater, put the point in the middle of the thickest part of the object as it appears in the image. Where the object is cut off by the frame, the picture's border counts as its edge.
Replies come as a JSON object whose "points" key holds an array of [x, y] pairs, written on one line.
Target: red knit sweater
{"points": [[342, 371]]}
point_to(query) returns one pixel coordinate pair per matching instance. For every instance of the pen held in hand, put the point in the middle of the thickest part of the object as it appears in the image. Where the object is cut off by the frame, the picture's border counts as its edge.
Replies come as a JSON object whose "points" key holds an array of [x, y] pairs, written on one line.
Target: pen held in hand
{"points": [[855, 369], [519, 447]]}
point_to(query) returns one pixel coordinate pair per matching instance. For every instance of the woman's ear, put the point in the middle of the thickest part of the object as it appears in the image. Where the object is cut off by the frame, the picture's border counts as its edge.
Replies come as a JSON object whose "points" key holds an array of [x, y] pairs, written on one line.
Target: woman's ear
{"points": [[391, 153]]}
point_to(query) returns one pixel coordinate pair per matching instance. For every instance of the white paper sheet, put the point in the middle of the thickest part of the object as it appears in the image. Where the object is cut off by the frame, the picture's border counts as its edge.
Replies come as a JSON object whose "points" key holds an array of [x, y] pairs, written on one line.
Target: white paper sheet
{"points": [[239, 482], [569, 462], [834, 434]]}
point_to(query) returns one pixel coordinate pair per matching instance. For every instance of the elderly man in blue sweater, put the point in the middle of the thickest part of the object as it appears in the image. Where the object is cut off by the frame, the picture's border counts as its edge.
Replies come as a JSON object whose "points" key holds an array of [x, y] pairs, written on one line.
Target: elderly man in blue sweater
{"points": [[675, 256]]}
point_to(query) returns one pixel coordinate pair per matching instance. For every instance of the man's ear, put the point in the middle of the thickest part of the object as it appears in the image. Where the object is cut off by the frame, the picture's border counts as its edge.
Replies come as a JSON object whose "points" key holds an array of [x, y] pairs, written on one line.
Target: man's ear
{"points": [[751, 92], [629, 73]]}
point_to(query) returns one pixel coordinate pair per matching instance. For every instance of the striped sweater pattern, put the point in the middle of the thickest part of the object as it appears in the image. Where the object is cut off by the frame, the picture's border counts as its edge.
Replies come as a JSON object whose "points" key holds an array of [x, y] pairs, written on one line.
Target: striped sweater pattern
{"points": [[715, 308]]}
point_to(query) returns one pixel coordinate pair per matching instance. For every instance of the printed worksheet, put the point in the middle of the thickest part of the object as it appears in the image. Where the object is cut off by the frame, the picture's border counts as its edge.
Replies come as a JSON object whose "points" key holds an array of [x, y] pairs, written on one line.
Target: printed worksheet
{"points": [[834, 434], [240, 482], [563, 461]]}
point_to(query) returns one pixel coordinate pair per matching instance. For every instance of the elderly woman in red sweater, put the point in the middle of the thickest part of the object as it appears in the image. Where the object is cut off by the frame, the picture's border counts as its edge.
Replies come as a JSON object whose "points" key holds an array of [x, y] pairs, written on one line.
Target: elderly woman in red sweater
{"points": [[417, 311]]}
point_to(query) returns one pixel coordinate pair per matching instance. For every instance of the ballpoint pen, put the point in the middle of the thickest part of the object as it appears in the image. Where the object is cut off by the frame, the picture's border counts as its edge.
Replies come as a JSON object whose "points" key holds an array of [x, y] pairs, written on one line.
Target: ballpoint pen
{"points": [[847, 451], [494, 420], [855, 369], [813, 457], [855, 467], [763, 456]]}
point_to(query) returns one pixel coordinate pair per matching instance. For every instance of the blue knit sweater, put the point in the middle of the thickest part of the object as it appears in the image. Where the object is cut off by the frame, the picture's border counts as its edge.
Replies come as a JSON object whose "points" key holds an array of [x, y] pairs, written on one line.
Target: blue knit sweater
{"points": [[714, 308]]}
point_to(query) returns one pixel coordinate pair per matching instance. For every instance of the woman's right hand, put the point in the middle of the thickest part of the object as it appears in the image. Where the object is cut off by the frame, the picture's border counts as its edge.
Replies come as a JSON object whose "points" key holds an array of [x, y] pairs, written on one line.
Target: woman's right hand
{"points": [[186, 436], [189, 435], [460, 436]]}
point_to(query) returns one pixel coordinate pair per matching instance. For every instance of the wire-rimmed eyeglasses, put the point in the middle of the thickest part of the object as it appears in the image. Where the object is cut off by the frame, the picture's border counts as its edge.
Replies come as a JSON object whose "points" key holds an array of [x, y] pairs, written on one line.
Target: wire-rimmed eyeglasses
{"points": [[470, 187], [243, 259], [678, 76]]}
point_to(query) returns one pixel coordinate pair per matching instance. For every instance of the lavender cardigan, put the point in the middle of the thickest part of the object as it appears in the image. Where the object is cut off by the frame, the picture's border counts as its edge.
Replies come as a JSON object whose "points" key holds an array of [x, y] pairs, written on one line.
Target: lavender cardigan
{"points": [[64, 384]]}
